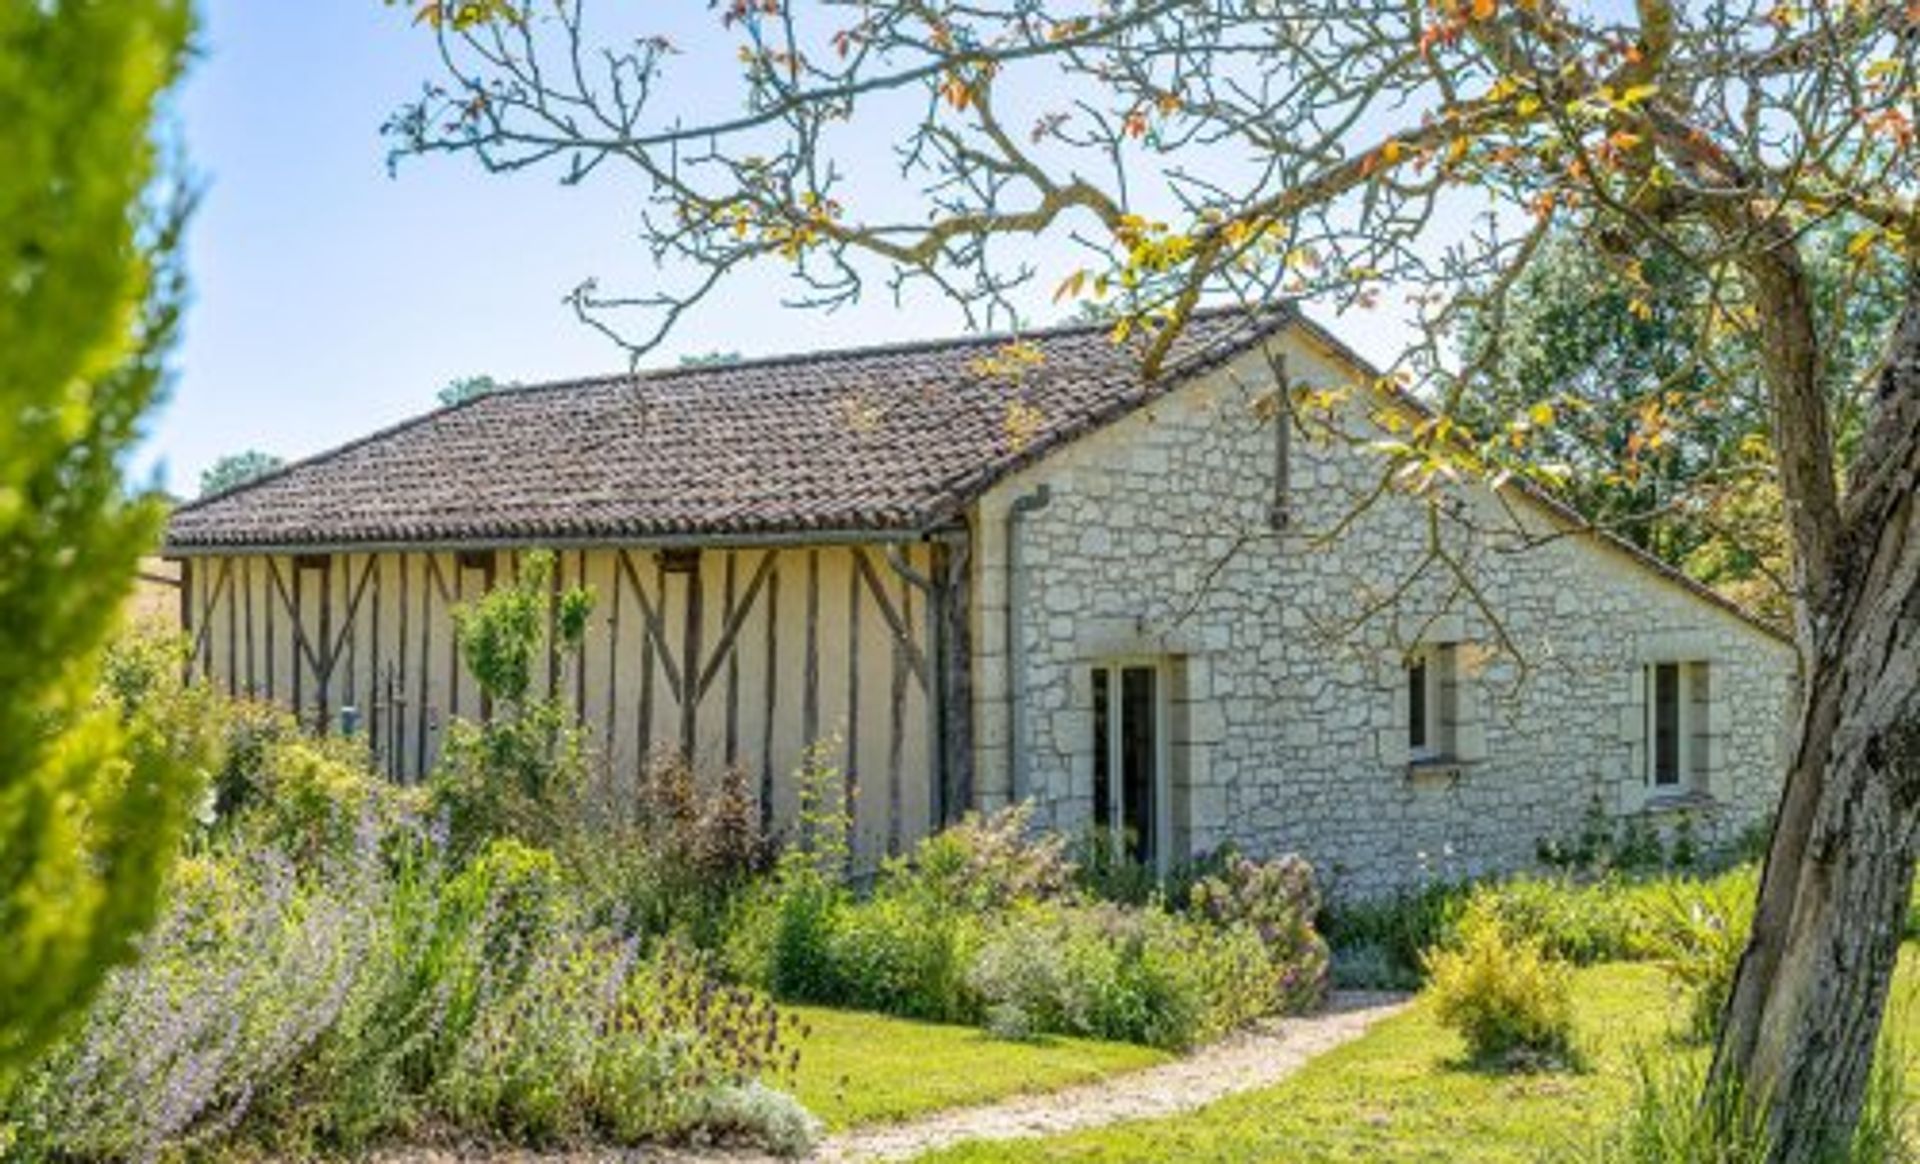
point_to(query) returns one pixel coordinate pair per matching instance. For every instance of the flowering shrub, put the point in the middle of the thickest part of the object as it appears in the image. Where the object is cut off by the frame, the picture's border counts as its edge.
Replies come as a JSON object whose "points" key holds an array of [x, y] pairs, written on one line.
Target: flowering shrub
{"points": [[244, 974], [982, 923], [328, 972], [1277, 901], [989, 860]]}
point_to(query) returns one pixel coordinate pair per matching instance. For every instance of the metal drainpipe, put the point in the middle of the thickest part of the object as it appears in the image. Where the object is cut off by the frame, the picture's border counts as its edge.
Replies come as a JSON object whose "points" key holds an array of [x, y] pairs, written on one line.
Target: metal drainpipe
{"points": [[1016, 662]]}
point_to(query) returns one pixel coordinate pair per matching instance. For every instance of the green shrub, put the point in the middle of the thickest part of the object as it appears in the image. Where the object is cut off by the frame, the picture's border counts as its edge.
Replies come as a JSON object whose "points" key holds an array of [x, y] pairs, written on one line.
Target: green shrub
{"points": [[596, 1044], [1605, 845], [1699, 932], [1102, 869], [1388, 938], [807, 910], [517, 775], [1505, 995], [315, 800], [670, 856], [783, 933], [1104, 971], [522, 771], [1614, 918], [250, 731], [1605, 921], [982, 923], [906, 953]]}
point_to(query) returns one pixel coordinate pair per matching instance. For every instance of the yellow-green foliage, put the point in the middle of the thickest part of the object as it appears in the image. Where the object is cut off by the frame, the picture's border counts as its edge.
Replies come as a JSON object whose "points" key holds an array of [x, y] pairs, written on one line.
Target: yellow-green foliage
{"points": [[316, 797], [520, 771], [1510, 1000], [89, 818]]}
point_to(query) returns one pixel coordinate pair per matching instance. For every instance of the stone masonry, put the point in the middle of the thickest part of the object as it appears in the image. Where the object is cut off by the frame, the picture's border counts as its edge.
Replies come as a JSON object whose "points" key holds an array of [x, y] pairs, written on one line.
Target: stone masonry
{"points": [[1285, 651]]}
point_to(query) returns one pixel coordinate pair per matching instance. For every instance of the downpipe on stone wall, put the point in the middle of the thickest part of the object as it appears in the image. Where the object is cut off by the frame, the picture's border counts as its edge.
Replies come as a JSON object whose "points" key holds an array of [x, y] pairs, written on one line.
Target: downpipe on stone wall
{"points": [[1017, 511]]}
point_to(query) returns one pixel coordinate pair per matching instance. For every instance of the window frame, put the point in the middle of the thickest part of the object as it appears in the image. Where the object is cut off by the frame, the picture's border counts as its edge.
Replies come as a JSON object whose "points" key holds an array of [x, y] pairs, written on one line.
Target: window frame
{"points": [[1689, 769], [1438, 662], [1423, 706], [1115, 668]]}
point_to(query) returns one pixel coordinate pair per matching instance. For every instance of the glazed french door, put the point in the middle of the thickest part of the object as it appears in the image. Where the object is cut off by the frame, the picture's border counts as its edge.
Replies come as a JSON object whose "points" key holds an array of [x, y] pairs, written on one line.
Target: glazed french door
{"points": [[1131, 799]]}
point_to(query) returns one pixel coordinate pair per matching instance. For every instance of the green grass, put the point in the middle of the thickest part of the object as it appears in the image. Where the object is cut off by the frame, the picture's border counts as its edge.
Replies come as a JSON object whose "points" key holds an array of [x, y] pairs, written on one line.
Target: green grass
{"points": [[858, 1068], [1401, 1093]]}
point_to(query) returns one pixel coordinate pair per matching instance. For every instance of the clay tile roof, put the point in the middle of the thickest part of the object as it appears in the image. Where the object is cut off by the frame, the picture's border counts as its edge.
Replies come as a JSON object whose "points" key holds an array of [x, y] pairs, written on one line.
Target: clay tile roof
{"points": [[885, 439]]}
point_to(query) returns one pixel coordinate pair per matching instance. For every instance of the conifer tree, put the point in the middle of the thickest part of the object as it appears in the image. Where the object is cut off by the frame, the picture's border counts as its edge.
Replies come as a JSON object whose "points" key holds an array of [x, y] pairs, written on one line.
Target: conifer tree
{"points": [[92, 799]]}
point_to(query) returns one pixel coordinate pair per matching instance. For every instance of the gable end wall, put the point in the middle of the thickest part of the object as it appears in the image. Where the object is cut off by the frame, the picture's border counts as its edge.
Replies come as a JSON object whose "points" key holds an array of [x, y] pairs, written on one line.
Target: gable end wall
{"points": [[1287, 721]]}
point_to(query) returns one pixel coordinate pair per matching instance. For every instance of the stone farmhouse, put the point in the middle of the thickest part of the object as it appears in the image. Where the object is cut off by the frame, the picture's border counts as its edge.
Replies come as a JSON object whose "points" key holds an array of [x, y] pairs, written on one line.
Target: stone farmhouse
{"points": [[986, 571]]}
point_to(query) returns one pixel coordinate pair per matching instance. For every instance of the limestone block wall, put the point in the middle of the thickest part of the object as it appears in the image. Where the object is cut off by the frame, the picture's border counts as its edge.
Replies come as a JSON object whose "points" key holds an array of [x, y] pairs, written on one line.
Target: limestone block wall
{"points": [[1289, 705]]}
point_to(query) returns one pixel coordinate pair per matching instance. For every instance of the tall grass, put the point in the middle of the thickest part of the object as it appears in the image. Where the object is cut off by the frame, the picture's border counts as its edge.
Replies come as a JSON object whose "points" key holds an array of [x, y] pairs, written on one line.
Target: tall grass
{"points": [[1673, 1117]]}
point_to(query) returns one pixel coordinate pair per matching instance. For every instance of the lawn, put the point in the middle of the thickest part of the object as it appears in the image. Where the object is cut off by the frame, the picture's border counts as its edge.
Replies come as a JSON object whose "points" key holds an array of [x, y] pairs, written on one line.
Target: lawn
{"points": [[1400, 1094], [863, 1068]]}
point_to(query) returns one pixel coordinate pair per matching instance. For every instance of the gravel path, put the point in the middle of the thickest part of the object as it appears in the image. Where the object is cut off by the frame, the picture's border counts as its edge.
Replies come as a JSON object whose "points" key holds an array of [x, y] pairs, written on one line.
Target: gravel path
{"points": [[1254, 1059]]}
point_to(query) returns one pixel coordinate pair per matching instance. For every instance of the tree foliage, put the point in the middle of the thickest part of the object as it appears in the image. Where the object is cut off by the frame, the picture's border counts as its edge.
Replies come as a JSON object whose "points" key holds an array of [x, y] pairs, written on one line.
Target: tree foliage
{"points": [[91, 806], [1586, 352], [471, 387], [236, 469], [1420, 156]]}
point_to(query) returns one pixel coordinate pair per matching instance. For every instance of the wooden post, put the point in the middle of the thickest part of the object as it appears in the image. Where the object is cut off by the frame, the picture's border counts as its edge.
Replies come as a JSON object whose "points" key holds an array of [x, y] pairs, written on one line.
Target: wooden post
{"points": [[850, 784], [953, 674], [732, 748], [690, 662], [186, 612], [771, 681]]}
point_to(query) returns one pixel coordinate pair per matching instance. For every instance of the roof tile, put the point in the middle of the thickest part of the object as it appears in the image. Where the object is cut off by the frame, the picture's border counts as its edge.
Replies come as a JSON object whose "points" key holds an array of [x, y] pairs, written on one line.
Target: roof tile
{"points": [[879, 439]]}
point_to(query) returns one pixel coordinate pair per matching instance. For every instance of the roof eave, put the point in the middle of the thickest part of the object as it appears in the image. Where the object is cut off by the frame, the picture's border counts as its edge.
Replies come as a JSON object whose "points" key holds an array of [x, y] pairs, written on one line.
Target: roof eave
{"points": [[844, 535]]}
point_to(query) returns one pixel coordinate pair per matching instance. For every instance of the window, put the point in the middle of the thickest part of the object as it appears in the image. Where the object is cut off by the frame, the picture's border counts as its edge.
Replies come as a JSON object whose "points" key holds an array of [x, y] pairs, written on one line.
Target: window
{"points": [[1430, 718], [1129, 785], [1420, 707], [1437, 724], [1676, 751]]}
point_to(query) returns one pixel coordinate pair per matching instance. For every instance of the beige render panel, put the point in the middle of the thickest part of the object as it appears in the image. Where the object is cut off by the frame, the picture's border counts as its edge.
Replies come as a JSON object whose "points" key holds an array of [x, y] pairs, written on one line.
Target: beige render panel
{"points": [[795, 646]]}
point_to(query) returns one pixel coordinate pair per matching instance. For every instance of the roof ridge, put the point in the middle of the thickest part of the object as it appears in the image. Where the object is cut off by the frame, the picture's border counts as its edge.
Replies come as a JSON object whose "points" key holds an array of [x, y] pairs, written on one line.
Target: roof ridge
{"points": [[1280, 310]]}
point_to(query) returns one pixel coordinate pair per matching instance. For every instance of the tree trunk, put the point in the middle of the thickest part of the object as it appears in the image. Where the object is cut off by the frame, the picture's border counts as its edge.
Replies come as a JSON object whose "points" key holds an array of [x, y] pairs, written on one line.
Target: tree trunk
{"points": [[1803, 1020]]}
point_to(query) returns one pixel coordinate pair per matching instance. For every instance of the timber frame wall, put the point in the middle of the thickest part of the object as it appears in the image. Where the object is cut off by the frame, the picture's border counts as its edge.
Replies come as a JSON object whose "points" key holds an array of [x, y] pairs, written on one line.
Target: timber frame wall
{"points": [[738, 657]]}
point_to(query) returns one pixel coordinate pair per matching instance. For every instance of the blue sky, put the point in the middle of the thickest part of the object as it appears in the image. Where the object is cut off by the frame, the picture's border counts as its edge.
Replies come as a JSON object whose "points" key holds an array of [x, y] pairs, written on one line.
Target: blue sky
{"points": [[331, 299]]}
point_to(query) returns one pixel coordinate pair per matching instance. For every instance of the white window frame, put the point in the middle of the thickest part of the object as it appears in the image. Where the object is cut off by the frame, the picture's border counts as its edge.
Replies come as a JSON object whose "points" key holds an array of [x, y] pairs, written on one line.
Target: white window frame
{"points": [[1162, 840]]}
